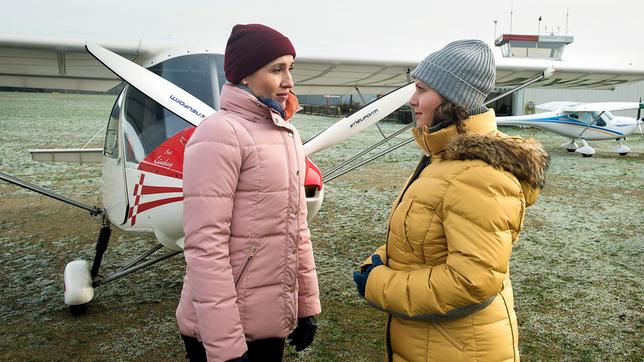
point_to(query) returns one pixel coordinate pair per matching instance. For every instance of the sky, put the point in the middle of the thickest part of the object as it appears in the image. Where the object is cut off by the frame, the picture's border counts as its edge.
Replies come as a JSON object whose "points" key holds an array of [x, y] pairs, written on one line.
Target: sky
{"points": [[607, 33]]}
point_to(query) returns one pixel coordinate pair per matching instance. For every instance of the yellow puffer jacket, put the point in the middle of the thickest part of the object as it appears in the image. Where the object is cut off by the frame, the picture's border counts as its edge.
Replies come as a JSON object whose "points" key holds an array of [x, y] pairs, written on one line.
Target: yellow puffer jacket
{"points": [[445, 282]]}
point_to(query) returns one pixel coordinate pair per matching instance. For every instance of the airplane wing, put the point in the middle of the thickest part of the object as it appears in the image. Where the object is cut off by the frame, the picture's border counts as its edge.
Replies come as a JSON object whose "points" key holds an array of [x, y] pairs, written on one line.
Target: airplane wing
{"points": [[573, 107], [340, 77], [601, 106], [511, 72], [50, 63], [556, 105]]}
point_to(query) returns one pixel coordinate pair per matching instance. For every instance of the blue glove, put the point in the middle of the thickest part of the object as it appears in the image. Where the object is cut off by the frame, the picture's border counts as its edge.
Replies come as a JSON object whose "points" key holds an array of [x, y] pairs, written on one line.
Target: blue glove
{"points": [[361, 278]]}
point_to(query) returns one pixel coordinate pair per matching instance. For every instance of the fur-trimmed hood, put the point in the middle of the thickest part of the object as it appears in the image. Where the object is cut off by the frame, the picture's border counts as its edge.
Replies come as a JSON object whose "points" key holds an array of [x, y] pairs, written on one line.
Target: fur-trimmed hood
{"points": [[526, 159]]}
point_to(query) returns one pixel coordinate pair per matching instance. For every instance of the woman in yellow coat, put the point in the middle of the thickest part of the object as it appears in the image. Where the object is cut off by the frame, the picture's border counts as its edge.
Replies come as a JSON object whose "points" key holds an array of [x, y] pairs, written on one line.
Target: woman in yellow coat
{"points": [[443, 274]]}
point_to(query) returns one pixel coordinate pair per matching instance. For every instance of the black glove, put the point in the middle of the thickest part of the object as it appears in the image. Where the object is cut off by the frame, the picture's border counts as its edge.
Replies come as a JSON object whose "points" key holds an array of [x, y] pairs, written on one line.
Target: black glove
{"points": [[243, 358], [361, 278], [303, 335]]}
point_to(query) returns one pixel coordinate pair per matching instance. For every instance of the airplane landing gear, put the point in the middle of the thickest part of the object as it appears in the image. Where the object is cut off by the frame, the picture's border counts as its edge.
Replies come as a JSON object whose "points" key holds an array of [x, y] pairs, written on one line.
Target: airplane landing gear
{"points": [[585, 149], [79, 280], [622, 149], [570, 146]]}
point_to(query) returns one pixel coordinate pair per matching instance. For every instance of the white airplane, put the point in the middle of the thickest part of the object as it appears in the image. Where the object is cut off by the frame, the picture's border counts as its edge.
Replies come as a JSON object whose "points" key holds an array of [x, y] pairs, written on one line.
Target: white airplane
{"points": [[157, 111], [581, 122]]}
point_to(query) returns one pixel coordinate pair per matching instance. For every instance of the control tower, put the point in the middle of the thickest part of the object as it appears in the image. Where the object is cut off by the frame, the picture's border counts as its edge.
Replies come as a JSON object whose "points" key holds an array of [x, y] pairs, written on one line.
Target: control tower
{"points": [[548, 47], [533, 46]]}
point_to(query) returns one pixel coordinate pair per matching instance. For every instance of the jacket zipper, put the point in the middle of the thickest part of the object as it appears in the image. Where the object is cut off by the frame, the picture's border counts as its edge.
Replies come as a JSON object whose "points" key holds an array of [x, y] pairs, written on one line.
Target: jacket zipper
{"points": [[424, 162], [250, 257]]}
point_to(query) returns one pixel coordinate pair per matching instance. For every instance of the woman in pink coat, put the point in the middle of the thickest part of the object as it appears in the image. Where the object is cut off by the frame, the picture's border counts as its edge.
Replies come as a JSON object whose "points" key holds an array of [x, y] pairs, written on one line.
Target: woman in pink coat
{"points": [[250, 277]]}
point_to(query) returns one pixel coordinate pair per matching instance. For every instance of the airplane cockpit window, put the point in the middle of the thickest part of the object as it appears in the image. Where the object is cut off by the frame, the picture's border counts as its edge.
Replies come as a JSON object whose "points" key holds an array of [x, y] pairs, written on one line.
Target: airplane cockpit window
{"points": [[110, 148], [147, 124], [587, 117], [197, 74], [574, 116], [599, 118]]}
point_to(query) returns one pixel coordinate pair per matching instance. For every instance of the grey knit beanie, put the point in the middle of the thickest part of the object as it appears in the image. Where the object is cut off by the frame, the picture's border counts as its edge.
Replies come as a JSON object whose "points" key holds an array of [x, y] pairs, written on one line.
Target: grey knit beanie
{"points": [[463, 72]]}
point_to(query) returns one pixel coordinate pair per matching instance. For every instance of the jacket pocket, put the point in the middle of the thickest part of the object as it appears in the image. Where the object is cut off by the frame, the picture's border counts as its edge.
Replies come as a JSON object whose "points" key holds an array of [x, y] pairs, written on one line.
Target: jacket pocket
{"points": [[249, 258], [453, 341]]}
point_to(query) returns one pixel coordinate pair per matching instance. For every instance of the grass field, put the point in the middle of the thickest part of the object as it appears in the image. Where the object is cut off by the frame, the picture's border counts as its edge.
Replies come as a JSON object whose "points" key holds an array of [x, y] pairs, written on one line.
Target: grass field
{"points": [[576, 270]]}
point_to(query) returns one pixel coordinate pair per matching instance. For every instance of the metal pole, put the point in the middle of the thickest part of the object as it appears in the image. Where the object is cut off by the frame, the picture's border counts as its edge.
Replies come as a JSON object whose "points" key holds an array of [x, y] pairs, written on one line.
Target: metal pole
{"points": [[123, 273], [365, 102], [94, 136], [93, 210], [371, 158], [336, 168]]}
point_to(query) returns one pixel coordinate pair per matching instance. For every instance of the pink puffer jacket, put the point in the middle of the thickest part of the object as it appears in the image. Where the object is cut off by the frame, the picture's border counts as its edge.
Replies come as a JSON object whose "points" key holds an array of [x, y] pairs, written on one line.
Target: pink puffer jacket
{"points": [[250, 270]]}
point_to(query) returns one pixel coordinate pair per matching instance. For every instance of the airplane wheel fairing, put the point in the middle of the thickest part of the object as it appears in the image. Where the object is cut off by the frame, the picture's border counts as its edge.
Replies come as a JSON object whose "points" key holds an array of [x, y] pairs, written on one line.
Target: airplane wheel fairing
{"points": [[569, 146], [586, 150], [622, 150], [78, 284]]}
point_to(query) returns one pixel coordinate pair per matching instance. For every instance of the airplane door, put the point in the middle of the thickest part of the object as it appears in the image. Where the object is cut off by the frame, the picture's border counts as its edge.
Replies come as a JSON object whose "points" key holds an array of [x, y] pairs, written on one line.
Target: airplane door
{"points": [[115, 199]]}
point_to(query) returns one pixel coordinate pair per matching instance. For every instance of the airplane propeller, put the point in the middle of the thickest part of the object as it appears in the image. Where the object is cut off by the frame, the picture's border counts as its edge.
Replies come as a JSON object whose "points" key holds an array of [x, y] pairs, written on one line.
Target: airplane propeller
{"points": [[193, 110]]}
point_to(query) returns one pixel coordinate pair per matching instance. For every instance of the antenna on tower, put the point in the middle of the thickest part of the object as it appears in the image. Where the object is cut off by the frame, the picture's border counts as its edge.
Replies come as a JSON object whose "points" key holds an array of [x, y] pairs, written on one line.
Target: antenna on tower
{"points": [[566, 21], [511, 16]]}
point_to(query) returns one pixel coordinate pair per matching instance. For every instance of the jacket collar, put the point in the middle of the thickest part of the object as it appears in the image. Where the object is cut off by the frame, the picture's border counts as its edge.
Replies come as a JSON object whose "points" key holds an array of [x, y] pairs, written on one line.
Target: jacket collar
{"points": [[434, 143], [239, 101], [526, 159]]}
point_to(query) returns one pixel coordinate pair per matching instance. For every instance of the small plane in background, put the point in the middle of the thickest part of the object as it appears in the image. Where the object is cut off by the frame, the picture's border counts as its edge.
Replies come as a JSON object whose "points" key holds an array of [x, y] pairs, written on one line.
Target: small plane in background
{"points": [[583, 121], [159, 107]]}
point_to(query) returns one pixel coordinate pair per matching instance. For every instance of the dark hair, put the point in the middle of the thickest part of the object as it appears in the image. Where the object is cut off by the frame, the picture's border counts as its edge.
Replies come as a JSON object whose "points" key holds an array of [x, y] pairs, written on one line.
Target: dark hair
{"points": [[450, 113]]}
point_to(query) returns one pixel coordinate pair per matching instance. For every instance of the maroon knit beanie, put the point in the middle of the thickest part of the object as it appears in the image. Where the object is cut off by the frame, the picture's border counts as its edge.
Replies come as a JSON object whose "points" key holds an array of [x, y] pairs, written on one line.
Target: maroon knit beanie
{"points": [[252, 46]]}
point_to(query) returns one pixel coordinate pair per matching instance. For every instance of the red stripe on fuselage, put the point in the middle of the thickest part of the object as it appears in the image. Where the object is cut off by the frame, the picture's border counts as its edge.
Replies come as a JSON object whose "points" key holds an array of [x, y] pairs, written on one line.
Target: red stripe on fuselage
{"points": [[151, 204], [137, 197], [147, 190]]}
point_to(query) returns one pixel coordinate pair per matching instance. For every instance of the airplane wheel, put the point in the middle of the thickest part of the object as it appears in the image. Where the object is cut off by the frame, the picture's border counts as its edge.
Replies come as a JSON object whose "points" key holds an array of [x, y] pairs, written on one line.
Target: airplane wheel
{"points": [[586, 155], [77, 310], [570, 150], [623, 153]]}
